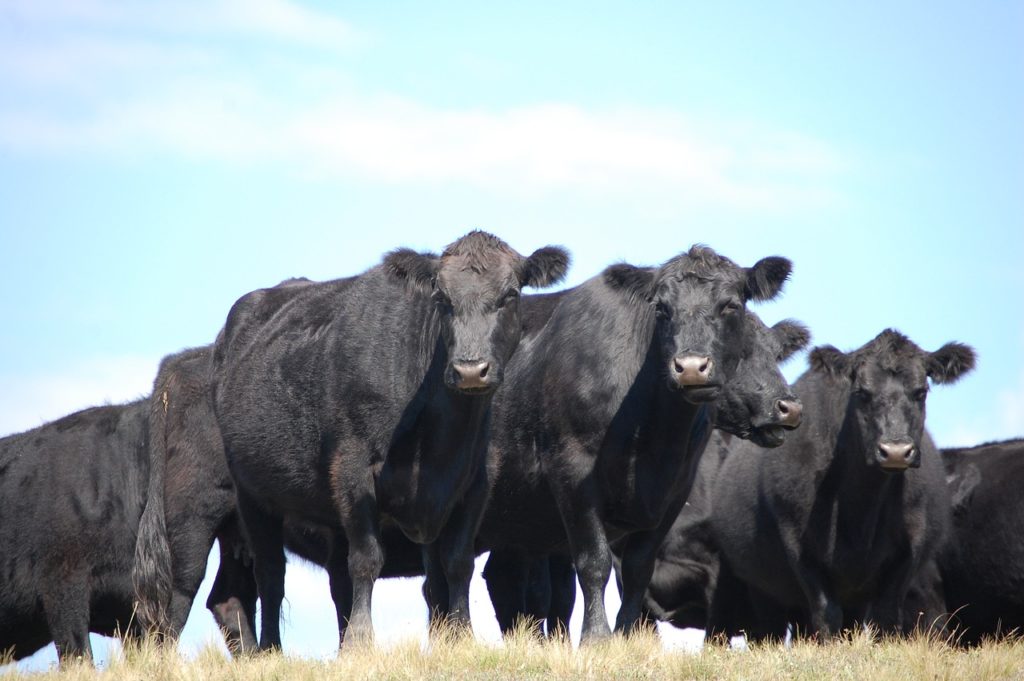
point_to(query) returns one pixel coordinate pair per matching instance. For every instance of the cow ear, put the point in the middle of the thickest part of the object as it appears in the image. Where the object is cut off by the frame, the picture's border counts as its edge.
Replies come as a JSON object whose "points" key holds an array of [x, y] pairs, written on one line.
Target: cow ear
{"points": [[545, 267], [793, 336], [416, 269], [635, 282], [950, 362], [828, 359], [766, 277], [961, 487]]}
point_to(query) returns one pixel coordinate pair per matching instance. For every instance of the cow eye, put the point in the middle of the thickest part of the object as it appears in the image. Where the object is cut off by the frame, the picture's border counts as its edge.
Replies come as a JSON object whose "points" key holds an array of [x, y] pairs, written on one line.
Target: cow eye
{"points": [[731, 307], [442, 301], [662, 310], [920, 394], [508, 298], [862, 395]]}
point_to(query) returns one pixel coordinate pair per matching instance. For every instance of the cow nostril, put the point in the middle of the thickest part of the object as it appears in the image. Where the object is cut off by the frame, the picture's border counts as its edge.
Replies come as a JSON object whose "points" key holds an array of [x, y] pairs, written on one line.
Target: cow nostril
{"points": [[692, 370], [789, 412], [896, 452], [471, 374]]}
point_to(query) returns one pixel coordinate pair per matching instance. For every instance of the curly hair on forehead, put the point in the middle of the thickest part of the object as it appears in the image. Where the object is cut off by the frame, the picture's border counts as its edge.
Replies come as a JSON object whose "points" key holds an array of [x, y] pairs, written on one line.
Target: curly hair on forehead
{"points": [[700, 261], [890, 348], [479, 251], [889, 343]]}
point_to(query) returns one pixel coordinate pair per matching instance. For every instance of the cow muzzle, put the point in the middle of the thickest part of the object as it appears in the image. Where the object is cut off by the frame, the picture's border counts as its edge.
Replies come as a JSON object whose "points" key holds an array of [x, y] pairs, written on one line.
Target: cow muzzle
{"points": [[896, 456], [473, 376], [690, 371], [788, 413]]}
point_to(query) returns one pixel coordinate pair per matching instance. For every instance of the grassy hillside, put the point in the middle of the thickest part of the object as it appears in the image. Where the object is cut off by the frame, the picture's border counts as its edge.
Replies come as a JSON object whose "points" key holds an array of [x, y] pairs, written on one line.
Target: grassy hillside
{"points": [[856, 657]]}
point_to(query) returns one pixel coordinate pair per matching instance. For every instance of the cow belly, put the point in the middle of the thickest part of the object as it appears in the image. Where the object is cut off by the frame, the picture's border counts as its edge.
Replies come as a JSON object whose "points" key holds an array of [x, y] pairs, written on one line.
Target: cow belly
{"points": [[419, 505]]}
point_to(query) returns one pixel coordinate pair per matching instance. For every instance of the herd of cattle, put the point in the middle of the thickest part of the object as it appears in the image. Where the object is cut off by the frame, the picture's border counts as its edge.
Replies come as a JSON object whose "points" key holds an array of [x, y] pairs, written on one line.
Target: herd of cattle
{"points": [[402, 421]]}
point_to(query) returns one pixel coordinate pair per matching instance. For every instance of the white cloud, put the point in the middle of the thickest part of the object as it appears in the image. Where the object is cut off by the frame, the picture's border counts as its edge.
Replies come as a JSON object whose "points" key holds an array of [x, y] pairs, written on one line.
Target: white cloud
{"points": [[522, 150], [274, 19], [170, 89], [28, 401], [1010, 407], [1004, 419]]}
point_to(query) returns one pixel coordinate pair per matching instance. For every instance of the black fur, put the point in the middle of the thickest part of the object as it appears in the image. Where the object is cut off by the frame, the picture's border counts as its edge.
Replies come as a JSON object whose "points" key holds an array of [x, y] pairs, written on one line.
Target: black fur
{"points": [[817, 529], [591, 428], [134, 496], [340, 407], [745, 407], [685, 576], [545, 267], [72, 494], [982, 565]]}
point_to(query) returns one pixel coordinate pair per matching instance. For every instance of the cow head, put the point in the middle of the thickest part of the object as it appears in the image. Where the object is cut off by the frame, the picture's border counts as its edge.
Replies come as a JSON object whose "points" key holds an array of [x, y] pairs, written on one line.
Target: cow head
{"points": [[474, 286], [758, 404], [699, 301], [887, 381]]}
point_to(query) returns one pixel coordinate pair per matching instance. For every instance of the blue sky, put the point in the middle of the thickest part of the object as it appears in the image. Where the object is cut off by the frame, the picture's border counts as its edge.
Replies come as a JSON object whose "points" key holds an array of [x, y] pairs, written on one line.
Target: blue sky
{"points": [[159, 160]]}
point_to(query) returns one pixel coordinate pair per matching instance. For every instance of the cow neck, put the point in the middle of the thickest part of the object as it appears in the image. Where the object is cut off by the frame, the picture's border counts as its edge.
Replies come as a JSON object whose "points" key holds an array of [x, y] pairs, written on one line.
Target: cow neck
{"points": [[864, 492], [666, 435], [629, 351], [428, 348], [668, 408], [658, 412]]}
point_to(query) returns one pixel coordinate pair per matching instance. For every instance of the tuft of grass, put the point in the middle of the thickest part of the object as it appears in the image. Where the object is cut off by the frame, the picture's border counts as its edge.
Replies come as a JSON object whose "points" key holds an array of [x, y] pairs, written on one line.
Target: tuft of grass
{"points": [[453, 656]]}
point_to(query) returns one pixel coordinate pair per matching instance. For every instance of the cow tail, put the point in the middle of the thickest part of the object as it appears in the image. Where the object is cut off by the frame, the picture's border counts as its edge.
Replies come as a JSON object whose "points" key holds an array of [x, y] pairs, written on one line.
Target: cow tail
{"points": [[151, 573]]}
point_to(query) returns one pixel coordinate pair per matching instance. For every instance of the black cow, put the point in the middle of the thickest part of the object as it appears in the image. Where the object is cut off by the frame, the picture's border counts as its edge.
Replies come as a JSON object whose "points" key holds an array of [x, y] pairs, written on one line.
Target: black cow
{"points": [[83, 526], [364, 402], [981, 568], [537, 588], [686, 572], [830, 528], [191, 500], [757, 404], [605, 412], [72, 492]]}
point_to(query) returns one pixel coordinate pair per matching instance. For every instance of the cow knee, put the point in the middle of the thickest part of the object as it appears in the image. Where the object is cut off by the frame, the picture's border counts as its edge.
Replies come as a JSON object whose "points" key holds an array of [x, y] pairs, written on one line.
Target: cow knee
{"points": [[366, 562]]}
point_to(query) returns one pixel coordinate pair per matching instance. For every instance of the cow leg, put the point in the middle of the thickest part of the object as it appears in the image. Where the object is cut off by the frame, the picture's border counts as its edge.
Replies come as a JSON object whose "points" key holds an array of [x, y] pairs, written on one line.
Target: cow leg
{"points": [[638, 559], [341, 585], [590, 553], [729, 610], [765, 620], [886, 611], [825, 616], [365, 560], [458, 548], [435, 587], [233, 596], [563, 595], [190, 554], [537, 596], [266, 538], [505, 574], [66, 605], [639, 554]]}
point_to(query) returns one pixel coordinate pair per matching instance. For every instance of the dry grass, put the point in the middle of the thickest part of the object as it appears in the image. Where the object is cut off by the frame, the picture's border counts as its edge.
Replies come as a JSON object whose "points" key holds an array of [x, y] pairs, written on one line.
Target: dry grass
{"points": [[640, 657]]}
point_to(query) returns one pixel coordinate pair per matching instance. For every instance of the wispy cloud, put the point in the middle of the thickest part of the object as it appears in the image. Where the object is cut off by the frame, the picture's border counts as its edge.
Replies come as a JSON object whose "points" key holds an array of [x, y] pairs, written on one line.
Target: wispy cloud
{"points": [[30, 400], [127, 79], [266, 19]]}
